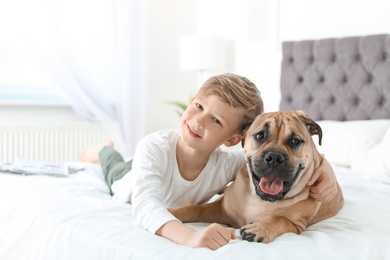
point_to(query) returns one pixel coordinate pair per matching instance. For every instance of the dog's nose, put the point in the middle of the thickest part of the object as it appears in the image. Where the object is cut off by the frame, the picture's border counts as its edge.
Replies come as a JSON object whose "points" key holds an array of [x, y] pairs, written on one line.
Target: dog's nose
{"points": [[274, 158]]}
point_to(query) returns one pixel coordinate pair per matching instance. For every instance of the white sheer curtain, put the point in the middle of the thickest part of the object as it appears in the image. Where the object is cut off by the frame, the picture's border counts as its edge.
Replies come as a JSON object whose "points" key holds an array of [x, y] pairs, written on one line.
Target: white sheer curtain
{"points": [[95, 52]]}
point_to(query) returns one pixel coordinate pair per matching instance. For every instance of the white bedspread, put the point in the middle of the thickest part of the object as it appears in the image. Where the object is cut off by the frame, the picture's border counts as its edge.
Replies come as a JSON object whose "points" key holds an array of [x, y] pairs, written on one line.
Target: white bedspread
{"points": [[43, 217]]}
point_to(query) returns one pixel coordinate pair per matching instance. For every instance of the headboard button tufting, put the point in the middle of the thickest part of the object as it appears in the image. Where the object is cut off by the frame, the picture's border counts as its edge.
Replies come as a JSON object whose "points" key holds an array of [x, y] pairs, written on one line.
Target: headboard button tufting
{"points": [[345, 79], [357, 57], [369, 79], [381, 102], [356, 101], [340, 79]]}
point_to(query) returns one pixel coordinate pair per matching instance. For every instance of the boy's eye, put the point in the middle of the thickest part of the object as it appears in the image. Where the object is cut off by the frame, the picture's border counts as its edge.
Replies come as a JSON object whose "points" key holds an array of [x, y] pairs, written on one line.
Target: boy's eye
{"points": [[217, 121], [198, 105]]}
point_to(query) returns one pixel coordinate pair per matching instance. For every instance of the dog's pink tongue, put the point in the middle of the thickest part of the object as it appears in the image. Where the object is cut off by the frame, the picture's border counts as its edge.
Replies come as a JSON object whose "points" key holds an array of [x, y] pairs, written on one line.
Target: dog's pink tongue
{"points": [[271, 184]]}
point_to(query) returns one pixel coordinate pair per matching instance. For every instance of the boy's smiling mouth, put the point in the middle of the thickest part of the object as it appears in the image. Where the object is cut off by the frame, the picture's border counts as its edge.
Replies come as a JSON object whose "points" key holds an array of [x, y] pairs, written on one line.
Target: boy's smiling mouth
{"points": [[192, 133]]}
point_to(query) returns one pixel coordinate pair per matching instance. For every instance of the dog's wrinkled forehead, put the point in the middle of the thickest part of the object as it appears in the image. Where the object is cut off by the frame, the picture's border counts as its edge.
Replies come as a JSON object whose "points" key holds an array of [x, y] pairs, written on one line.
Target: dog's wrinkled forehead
{"points": [[279, 125], [276, 120]]}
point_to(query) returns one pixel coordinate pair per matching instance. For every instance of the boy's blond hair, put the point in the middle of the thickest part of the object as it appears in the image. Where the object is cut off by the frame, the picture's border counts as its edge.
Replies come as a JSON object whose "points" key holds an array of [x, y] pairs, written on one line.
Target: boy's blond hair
{"points": [[238, 92]]}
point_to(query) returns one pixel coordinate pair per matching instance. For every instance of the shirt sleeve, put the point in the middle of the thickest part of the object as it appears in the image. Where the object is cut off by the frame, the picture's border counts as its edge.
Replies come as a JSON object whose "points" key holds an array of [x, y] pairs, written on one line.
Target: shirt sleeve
{"points": [[149, 163], [236, 159]]}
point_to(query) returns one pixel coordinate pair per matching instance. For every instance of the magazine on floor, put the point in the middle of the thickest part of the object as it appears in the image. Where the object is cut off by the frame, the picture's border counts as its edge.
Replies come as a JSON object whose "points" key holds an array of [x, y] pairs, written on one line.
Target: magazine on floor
{"points": [[25, 166]]}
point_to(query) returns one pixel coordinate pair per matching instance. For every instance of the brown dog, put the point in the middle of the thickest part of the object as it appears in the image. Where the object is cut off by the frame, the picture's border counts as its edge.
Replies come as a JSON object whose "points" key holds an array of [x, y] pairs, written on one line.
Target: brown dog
{"points": [[270, 195]]}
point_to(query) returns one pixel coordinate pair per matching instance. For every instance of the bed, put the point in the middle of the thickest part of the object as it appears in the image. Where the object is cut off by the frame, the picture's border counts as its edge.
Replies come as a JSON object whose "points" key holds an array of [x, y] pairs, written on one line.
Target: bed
{"points": [[343, 83]]}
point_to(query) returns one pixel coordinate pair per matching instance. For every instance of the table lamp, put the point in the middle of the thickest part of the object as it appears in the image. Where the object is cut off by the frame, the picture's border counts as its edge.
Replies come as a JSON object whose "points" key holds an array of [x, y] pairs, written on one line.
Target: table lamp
{"points": [[202, 54]]}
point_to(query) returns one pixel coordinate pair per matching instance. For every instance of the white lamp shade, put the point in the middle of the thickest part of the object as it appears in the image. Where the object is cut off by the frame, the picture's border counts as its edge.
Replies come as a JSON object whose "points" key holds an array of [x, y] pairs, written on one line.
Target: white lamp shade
{"points": [[202, 53]]}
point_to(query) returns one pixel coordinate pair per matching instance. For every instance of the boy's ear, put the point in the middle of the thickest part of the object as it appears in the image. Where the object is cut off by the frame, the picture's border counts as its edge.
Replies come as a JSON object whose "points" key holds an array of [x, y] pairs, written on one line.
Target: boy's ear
{"points": [[233, 140]]}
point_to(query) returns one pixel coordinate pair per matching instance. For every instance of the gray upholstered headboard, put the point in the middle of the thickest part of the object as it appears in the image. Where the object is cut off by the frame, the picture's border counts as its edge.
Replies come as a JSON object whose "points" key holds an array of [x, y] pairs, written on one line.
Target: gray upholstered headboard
{"points": [[337, 79]]}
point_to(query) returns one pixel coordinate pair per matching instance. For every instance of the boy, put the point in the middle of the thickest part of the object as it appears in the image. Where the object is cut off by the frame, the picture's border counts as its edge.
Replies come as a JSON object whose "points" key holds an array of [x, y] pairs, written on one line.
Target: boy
{"points": [[172, 168]]}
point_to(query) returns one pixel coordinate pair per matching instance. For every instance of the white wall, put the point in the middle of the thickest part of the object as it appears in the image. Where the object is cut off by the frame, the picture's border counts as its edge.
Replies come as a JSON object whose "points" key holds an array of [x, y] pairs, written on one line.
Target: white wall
{"points": [[234, 21], [169, 19], [307, 19]]}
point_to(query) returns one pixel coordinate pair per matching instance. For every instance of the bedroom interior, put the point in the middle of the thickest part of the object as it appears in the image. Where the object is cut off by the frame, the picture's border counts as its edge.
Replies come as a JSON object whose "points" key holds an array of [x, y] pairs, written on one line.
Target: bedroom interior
{"points": [[301, 54]]}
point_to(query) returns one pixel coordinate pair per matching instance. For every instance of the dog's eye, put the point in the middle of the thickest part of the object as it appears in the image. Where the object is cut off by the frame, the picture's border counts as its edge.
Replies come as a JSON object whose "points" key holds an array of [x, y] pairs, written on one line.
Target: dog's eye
{"points": [[259, 136], [295, 141]]}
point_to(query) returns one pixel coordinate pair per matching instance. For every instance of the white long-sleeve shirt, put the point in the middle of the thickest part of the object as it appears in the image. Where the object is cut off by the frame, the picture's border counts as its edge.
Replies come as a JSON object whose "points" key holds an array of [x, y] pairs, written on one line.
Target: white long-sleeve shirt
{"points": [[155, 184]]}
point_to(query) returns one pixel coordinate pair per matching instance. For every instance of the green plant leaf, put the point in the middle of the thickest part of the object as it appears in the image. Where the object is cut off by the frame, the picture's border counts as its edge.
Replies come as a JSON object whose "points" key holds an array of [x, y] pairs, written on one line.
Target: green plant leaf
{"points": [[181, 105]]}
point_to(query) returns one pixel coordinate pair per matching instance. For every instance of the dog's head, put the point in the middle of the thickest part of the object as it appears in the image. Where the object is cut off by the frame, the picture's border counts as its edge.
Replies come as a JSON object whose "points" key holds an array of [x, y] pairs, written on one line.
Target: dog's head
{"points": [[280, 153]]}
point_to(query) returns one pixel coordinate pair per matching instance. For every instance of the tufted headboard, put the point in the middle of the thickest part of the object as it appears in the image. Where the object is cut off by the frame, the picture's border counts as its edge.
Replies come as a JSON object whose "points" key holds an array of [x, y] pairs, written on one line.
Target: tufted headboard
{"points": [[337, 79]]}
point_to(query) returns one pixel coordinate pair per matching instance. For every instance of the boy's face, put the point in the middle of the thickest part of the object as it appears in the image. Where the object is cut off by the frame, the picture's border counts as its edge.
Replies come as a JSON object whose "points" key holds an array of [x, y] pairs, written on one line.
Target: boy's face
{"points": [[208, 122]]}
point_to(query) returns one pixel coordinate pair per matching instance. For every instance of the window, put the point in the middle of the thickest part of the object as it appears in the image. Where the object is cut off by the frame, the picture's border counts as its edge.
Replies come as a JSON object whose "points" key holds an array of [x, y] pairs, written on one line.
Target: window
{"points": [[22, 81]]}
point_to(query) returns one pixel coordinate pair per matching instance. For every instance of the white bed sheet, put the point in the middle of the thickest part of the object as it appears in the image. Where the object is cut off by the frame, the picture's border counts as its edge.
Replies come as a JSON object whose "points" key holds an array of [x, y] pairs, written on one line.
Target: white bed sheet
{"points": [[43, 217]]}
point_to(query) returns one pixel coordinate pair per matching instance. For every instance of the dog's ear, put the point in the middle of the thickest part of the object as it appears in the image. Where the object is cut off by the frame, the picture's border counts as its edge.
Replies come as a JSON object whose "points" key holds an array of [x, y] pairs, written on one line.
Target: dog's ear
{"points": [[244, 130], [312, 127], [243, 140]]}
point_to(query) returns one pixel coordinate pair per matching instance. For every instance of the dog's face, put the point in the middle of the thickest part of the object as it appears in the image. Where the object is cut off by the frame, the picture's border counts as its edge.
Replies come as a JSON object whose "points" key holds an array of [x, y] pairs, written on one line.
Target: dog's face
{"points": [[279, 151]]}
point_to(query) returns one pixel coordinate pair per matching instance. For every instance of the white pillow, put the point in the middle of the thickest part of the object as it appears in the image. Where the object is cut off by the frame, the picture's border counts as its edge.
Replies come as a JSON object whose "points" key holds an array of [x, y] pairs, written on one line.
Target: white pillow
{"points": [[375, 163], [343, 142]]}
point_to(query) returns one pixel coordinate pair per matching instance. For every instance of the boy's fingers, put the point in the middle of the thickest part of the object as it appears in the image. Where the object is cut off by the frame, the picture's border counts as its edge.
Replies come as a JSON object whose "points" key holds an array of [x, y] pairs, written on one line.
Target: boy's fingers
{"points": [[319, 189], [222, 235], [225, 233], [323, 196], [229, 233], [314, 178], [232, 233]]}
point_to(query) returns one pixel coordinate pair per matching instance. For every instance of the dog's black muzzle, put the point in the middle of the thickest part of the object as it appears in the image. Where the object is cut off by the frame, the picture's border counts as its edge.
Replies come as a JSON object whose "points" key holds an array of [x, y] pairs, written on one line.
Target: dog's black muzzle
{"points": [[276, 163]]}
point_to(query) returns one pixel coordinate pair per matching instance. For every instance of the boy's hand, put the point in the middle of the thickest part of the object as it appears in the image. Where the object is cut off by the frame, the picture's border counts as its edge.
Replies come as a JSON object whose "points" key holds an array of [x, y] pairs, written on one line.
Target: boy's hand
{"points": [[323, 183], [213, 237]]}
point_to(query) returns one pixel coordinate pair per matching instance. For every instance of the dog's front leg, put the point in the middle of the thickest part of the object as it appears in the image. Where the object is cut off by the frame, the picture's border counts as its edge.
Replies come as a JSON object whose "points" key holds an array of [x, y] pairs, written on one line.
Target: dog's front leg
{"points": [[266, 230], [209, 213]]}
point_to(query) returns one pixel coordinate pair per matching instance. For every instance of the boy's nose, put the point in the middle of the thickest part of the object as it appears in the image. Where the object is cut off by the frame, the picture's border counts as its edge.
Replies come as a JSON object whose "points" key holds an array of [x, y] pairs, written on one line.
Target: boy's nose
{"points": [[199, 121]]}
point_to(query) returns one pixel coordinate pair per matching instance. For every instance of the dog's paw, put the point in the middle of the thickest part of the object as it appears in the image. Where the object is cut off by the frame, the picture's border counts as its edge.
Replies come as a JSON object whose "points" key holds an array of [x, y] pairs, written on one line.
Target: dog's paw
{"points": [[249, 236], [257, 232]]}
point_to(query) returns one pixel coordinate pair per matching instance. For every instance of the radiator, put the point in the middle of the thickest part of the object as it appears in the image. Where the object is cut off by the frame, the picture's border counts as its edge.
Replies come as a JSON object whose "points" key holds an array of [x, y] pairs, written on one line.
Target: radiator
{"points": [[49, 142]]}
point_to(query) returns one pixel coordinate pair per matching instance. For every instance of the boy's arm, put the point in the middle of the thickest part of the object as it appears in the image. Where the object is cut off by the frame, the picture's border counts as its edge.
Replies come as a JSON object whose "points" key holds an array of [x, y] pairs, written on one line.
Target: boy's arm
{"points": [[150, 212], [213, 236], [323, 183]]}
